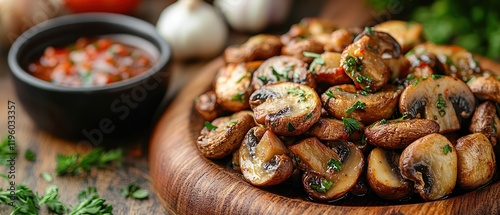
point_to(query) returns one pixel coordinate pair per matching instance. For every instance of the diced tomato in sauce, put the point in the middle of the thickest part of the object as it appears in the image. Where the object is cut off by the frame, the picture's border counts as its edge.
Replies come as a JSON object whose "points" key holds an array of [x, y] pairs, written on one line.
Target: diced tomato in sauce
{"points": [[91, 62]]}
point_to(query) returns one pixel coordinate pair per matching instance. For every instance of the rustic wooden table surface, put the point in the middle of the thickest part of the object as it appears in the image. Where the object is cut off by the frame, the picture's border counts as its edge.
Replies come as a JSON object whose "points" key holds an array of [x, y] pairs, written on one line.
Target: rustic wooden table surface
{"points": [[109, 181]]}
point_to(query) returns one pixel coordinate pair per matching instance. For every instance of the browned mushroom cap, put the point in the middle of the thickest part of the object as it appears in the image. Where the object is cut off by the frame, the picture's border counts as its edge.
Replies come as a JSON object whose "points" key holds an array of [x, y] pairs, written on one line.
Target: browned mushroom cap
{"points": [[329, 71], [340, 39], [384, 176], [343, 101], [224, 135], [334, 129], [399, 67], [444, 99], [486, 121], [399, 133], [431, 163], [486, 88], [476, 161], [365, 66], [298, 46], [232, 85], [207, 107], [259, 47], [381, 43], [282, 69], [457, 61], [308, 27], [286, 108], [408, 34], [329, 173], [263, 159]]}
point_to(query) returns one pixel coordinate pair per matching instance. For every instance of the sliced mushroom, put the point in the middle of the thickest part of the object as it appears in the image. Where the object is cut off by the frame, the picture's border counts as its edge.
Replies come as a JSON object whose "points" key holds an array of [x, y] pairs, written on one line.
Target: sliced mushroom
{"points": [[298, 46], [381, 43], [308, 27], [399, 133], [444, 99], [476, 161], [286, 108], [486, 88], [334, 129], [340, 39], [224, 135], [485, 120], [457, 61], [384, 176], [431, 163], [408, 34], [365, 66], [328, 174], [330, 71], [263, 158], [232, 85], [399, 67], [235, 160], [207, 107], [344, 101], [282, 69], [259, 47]]}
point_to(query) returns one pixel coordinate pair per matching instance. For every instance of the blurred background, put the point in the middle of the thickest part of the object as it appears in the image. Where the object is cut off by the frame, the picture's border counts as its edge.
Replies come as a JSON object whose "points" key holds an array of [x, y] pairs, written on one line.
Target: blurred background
{"points": [[474, 25]]}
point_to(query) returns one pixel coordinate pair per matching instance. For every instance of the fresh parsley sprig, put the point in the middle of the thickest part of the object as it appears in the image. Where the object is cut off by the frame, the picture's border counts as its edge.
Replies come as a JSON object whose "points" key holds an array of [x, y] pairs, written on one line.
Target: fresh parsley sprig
{"points": [[90, 203], [75, 164], [133, 190]]}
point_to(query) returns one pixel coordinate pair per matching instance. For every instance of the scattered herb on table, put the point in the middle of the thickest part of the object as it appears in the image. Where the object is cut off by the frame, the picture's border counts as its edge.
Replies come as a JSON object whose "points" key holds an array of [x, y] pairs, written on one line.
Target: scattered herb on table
{"points": [[91, 203], [133, 190], [6, 151], [30, 155], [76, 164], [46, 176]]}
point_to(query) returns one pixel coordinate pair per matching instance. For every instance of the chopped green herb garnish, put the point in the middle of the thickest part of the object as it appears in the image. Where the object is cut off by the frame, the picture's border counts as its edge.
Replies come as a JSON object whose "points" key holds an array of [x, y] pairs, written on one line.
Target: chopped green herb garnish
{"points": [[209, 126], [353, 64], [471, 80], [411, 52], [364, 93], [334, 165], [30, 155], [410, 77], [350, 125], [308, 116], [441, 104], [240, 96], [324, 186], [247, 75], [436, 76], [447, 149], [435, 117], [233, 122], [262, 78], [339, 89], [133, 190], [383, 122], [363, 79], [418, 81], [279, 75], [298, 92], [51, 199], [291, 127], [318, 60], [330, 95], [356, 106], [368, 30]]}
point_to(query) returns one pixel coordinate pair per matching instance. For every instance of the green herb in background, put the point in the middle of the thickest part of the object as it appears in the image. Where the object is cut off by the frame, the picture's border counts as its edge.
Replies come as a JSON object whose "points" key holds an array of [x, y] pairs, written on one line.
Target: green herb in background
{"points": [[30, 155], [51, 199], [6, 152], [46, 176], [90, 203], [27, 202], [133, 190], [75, 164], [473, 25]]}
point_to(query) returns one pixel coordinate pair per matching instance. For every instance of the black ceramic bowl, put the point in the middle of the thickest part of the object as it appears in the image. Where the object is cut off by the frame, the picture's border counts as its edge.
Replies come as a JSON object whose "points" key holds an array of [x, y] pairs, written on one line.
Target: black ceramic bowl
{"points": [[89, 112]]}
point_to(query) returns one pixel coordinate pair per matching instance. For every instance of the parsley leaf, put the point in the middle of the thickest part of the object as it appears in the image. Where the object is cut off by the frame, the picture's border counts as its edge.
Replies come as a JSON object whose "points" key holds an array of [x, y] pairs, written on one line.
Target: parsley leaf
{"points": [[447, 149], [133, 190], [291, 127], [232, 122], [51, 199], [75, 164], [334, 165], [46, 176], [210, 127], [239, 96], [6, 152], [353, 65], [90, 203], [356, 106], [323, 186], [30, 155], [318, 60], [350, 125]]}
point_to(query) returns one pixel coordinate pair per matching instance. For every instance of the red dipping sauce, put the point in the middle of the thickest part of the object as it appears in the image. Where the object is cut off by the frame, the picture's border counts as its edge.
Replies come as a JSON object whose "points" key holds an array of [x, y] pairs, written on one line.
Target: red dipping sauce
{"points": [[92, 62]]}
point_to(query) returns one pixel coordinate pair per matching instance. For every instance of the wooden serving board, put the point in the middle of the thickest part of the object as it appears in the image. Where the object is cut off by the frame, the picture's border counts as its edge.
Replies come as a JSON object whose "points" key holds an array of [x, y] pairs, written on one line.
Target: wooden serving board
{"points": [[188, 183]]}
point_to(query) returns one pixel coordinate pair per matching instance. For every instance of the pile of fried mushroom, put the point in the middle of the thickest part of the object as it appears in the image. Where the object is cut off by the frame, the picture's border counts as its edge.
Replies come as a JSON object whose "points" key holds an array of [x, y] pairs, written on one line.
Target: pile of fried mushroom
{"points": [[342, 105]]}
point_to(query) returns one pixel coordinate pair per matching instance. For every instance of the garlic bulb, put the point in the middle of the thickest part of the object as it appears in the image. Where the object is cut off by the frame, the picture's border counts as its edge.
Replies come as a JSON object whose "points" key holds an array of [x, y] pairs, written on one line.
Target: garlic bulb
{"points": [[193, 28], [253, 15], [17, 16]]}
